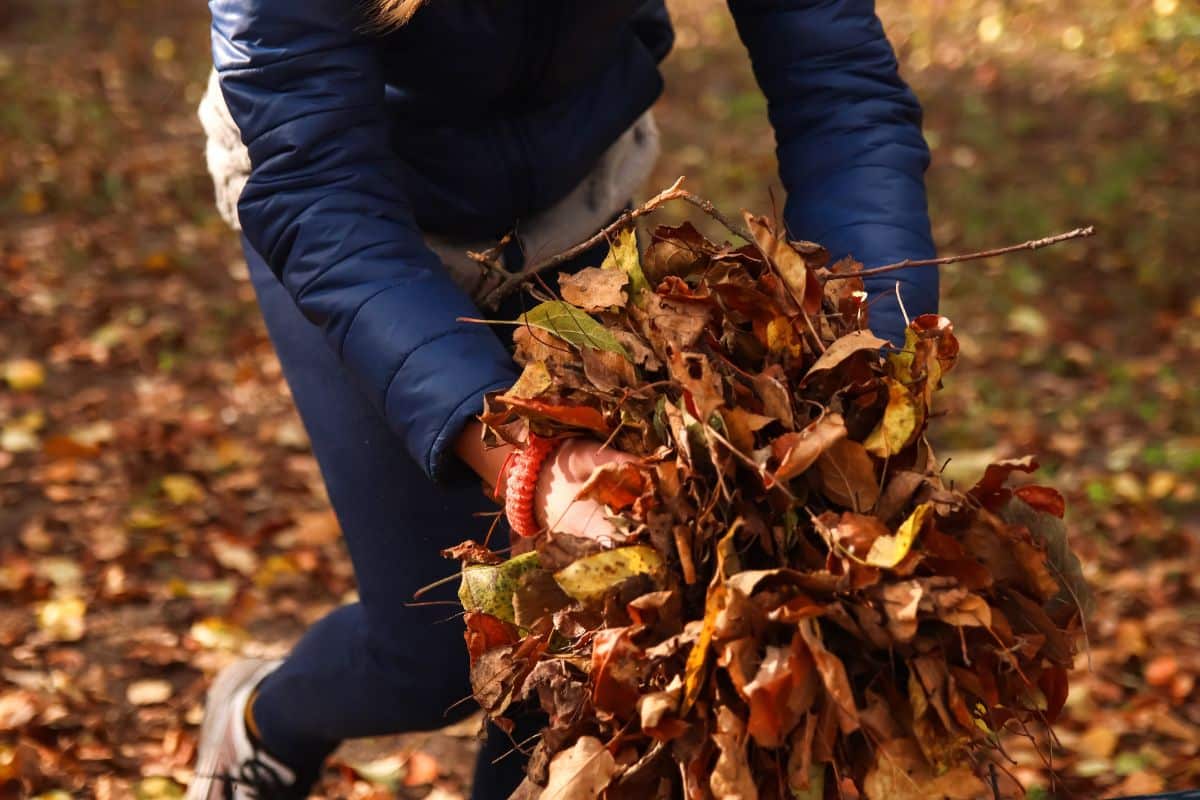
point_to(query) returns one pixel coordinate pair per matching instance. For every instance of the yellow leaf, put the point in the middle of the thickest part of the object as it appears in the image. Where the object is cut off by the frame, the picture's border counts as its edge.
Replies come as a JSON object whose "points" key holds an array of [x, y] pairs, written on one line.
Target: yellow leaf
{"points": [[534, 380], [33, 202], [888, 551], [157, 788], [901, 420], [149, 692], [164, 48], [182, 489], [214, 633], [146, 519], [698, 656], [24, 374], [782, 337], [623, 255], [15, 439], [714, 602], [157, 262], [592, 576], [62, 620]]}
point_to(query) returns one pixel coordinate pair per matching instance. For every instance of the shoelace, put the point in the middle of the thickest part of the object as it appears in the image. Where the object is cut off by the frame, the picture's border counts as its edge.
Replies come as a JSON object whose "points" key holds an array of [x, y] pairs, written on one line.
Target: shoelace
{"points": [[260, 778]]}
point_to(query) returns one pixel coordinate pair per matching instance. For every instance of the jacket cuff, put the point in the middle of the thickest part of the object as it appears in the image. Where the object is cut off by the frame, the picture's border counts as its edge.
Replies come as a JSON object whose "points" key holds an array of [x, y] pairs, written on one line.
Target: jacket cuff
{"points": [[439, 388], [875, 245]]}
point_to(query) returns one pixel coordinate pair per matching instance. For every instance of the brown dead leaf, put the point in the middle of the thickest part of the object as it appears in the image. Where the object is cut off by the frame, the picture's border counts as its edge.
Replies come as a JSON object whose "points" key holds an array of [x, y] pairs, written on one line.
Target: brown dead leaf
{"points": [[615, 672], [859, 344], [782, 690], [422, 769], [581, 772], [593, 288], [793, 268], [847, 475], [17, 709], [796, 452], [731, 777], [833, 675], [901, 773], [702, 385], [471, 552], [678, 250], [608, 371]]}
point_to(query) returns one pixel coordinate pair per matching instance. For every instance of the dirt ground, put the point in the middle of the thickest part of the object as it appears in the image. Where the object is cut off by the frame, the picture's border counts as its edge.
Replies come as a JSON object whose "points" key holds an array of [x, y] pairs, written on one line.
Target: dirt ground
{"points": [[160, 512]]}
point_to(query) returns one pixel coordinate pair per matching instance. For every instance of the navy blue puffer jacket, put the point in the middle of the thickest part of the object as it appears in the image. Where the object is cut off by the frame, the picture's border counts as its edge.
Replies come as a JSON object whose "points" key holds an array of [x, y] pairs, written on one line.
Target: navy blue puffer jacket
{"points": [[478, 113]]}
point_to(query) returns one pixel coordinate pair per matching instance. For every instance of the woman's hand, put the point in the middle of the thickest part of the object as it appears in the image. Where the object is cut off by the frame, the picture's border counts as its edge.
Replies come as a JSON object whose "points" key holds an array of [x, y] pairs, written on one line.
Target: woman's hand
{"points": [[556, 504], [485, 462], [562, 476]]}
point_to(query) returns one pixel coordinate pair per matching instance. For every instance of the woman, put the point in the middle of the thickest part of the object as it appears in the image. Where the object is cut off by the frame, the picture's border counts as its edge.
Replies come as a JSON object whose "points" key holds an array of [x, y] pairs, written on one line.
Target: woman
{"points": [[380, 143]]}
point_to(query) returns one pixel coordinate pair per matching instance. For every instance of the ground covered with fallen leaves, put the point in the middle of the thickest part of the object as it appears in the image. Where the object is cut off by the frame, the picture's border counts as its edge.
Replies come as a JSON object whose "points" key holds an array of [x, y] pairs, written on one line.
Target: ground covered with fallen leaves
{"points": [[159, 509]]}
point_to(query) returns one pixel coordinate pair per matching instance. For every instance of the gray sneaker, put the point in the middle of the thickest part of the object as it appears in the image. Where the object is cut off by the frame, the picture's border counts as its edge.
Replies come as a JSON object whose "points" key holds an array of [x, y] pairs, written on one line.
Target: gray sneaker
{"points": [[228, 765]]}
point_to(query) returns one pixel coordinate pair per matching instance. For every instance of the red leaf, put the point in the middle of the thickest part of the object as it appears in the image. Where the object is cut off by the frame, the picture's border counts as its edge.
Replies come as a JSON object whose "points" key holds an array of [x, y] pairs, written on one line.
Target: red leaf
{"points": [[1054, 685], [615, 672], [574, 416], [990, 491], [485, 632], [617, 486], [1043, 498], [797, 452]]}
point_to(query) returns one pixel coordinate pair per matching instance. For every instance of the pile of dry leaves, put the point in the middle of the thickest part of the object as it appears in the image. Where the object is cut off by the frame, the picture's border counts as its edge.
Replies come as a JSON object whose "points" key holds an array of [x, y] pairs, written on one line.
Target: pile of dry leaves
{"points": [[793, 605]]}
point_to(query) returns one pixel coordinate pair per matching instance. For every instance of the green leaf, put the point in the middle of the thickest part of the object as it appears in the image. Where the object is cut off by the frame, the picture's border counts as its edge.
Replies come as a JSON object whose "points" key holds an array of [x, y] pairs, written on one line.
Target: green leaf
{"points": [[573, 326], [623, 255], [592, 576], [490, 588]]}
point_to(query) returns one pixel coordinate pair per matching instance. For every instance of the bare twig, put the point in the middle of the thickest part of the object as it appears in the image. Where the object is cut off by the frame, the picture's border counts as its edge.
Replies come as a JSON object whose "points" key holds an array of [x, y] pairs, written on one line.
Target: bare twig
{"points": [[514, 280], [493, 257], [1033, 244], [511, 281], [708, 208], [672, 192]]}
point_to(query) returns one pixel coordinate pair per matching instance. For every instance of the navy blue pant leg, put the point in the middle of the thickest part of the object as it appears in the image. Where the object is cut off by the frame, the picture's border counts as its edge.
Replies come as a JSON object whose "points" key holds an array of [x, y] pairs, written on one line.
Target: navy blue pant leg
{"points": [[377, 666]]}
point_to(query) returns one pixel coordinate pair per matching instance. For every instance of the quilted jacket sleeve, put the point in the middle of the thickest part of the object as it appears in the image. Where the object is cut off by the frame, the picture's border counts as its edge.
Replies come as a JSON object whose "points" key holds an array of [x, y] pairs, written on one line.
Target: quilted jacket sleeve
{"points": [[326, 208], [848, 135]]}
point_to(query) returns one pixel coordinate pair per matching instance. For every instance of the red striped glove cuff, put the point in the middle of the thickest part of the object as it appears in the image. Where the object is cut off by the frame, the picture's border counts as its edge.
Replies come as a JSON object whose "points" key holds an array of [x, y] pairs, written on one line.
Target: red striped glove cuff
{"points": [[520, 475]]}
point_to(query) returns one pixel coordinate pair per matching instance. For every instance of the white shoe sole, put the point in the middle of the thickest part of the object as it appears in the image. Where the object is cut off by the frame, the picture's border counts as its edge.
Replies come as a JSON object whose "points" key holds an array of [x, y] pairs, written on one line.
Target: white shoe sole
{"points": [[224, 705]]}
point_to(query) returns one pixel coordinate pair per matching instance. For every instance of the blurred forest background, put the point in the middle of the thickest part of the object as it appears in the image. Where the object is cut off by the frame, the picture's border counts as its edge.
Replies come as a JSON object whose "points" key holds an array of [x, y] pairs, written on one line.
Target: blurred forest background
{"points": [[160, 511]]}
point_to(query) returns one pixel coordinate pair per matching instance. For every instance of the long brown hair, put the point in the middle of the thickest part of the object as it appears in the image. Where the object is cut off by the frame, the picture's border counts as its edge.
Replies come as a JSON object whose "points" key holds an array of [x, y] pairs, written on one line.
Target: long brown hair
{"points": [[394, 13]]}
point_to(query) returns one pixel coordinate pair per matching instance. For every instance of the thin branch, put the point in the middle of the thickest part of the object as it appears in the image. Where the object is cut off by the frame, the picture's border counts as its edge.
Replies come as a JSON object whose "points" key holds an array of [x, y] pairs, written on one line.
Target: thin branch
{"points": [[514, 280], [493, 257], [672, 192], [708, 208], [1034, 244]]}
